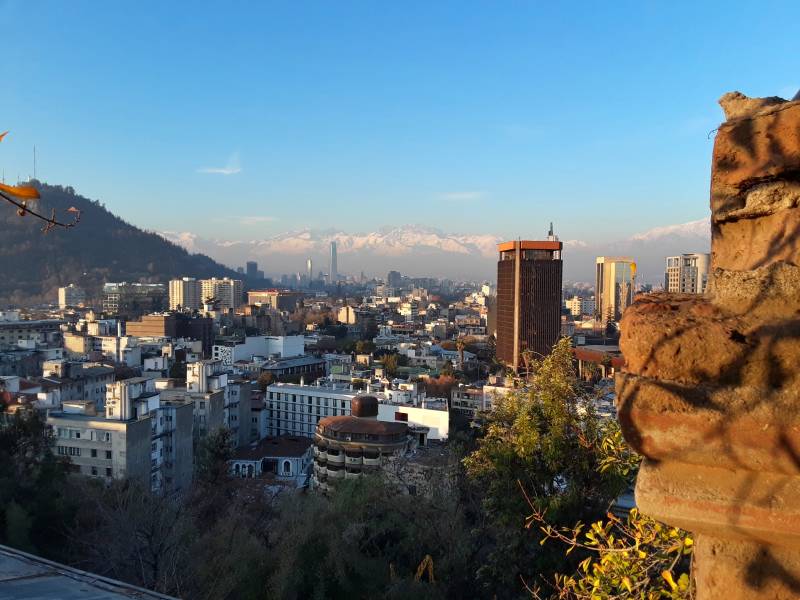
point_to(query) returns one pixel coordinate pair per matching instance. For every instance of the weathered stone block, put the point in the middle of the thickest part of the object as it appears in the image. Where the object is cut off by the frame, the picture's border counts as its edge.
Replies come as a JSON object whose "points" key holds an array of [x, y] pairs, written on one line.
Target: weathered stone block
{"points": [[771, 291], [745, 244], [731, 427], [685, 339], [753, 149]]}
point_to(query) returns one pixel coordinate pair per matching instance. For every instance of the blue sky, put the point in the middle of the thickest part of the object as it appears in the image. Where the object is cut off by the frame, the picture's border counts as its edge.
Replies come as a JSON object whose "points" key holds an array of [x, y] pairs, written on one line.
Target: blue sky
{"points": [[480, 117]]}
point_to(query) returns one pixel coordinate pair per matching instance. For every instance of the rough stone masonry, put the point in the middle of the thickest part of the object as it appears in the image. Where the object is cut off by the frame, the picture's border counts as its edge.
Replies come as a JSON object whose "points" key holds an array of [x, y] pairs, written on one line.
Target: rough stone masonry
{"points": [[710, 393]]}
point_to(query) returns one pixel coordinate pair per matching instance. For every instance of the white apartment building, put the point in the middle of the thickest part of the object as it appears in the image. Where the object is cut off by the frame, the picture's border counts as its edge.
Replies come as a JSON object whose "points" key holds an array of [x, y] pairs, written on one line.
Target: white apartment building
{"points": [[264, 346], [578, 306], [228, 292], [687, 273], [71, 295], [296, 409], [185, 293]]}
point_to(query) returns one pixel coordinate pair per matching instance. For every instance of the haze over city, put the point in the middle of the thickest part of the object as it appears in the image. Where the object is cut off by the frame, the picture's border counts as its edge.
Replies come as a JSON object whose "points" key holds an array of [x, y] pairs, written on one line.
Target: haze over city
{"points": [[430, 301]]}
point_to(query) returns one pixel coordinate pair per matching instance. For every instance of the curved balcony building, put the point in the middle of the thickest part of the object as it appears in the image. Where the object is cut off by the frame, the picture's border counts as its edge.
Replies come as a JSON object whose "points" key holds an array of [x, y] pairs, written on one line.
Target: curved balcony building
{"points": [[347, 446]]}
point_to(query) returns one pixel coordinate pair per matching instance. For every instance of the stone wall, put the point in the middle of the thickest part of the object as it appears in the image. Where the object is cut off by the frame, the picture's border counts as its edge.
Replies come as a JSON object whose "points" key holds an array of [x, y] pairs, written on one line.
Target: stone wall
{"points": [[710, 394]]}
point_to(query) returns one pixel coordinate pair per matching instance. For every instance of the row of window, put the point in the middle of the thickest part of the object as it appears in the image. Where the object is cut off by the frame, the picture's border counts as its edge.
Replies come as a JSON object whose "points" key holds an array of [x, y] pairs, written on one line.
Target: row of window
{"points": [[91, 434], [309, 399]]}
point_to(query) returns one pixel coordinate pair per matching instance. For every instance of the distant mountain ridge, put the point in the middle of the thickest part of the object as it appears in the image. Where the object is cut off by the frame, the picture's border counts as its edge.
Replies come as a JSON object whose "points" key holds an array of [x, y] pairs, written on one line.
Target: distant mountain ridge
{"points": [[102, 247], [426, 251]]}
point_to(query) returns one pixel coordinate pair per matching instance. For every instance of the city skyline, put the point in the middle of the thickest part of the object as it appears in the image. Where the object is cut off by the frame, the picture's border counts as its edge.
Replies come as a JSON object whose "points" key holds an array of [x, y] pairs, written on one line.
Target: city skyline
{"points": [[386, 110]]}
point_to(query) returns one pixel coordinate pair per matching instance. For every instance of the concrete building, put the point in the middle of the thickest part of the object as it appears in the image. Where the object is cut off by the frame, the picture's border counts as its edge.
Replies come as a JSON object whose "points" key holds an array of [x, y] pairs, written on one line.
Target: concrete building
{"points": [[71, 296], [687, 273], [264, 346], [237, 410], [174, 326], [17, 333], [68, 381], [251, 269], [528, 299], [287, 459], [578, 306], [206, 382], [345, 447], [614, 286], [282, 300], [134, 299], [102, 447], [228, 292], [185, 294]]}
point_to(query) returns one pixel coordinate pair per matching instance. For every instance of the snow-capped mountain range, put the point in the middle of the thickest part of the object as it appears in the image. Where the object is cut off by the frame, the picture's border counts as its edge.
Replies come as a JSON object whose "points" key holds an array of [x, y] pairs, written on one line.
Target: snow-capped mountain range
{"points": [[425, 251]]}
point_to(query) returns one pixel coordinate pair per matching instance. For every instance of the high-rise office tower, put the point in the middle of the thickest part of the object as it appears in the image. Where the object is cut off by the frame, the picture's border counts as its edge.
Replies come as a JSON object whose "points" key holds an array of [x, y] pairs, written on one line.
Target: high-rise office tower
{"points": [[687, 273], [614, 286], [251, 269], [185, 293], [528, 298], [394, 279], [333, 272], [310, 271]]}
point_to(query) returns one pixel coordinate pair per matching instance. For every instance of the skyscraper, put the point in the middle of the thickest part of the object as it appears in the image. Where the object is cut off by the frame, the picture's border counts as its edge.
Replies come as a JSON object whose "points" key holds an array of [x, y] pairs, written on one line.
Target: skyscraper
{"points": [[614, 286], [333, 272], [310, 271], [687, 273], [252, 269], [528, 298]]}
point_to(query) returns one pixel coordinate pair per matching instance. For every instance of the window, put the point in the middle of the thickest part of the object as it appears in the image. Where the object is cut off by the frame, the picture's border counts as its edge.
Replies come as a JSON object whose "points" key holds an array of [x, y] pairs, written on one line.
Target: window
{"points": [[108, 454], [94, 453], [94, 470], [108, 471], [202, 404]]}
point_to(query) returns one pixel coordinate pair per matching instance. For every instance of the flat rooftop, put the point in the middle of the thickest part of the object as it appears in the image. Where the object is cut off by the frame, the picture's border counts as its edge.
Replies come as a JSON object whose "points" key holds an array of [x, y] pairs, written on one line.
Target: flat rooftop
{"points": [[24, 576]]}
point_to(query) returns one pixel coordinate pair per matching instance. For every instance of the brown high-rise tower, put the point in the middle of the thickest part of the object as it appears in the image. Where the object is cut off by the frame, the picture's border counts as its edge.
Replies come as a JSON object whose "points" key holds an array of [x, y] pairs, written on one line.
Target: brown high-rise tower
{"points": [[528, 298]]}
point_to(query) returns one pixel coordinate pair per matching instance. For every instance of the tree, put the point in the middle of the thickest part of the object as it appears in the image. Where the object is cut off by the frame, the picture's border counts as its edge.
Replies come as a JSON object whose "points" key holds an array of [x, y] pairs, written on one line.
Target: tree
{"points": [[265, 379], [212, 456], [545, 441], [390, 364], [365, 347], [447, 369]]}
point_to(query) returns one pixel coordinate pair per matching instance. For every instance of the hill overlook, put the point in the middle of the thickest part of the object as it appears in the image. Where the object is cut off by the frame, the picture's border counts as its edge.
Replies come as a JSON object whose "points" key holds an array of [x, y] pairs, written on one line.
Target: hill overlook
{"points": [[102, 247]]}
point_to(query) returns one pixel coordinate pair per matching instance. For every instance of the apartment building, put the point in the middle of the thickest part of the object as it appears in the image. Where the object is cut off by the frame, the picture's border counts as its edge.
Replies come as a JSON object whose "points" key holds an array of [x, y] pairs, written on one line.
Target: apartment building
{"points": [[185, 294], [578, 306], [133, 299], [68, 381], [71, 296], [687, 273], [227, 292]]}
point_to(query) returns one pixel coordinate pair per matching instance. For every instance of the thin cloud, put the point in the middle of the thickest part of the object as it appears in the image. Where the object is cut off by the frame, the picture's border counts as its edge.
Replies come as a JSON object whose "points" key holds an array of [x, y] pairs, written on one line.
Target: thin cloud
{"points": [[255, 220], [462, 196], [231, 168]]}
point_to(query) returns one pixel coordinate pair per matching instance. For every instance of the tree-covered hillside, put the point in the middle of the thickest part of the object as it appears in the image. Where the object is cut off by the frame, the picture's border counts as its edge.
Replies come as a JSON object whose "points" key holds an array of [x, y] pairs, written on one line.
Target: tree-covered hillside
{"points": [[102, 247]]}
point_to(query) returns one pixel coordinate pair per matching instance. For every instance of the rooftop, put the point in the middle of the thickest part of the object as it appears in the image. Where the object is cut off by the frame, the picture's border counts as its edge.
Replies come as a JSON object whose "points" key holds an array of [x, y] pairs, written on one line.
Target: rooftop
{"points": [[24, 575], [285, 445]]}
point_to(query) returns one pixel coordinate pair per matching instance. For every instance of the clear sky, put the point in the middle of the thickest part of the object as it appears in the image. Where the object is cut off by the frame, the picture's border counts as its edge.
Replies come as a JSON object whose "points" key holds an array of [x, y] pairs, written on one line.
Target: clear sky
{"points": [[241, 120]]}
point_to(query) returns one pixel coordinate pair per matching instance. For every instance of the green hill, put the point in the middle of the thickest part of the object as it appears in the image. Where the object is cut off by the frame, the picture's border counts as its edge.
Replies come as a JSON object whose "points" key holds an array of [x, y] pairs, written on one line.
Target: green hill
{"points": [[102, 247]]}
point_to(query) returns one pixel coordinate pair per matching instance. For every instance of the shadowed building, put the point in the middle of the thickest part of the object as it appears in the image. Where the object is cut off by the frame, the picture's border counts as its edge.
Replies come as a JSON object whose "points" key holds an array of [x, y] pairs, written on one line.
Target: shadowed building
{"points": [[528, 298]]}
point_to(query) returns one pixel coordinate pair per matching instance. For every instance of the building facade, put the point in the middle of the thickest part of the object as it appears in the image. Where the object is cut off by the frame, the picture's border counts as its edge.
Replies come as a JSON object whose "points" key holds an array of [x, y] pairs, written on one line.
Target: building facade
{"points": [[227, 292], [528, 299], [185, 294], [134, 299], [579, 306], [687, 273], [71, 296], [346, 447], [614, 283]]}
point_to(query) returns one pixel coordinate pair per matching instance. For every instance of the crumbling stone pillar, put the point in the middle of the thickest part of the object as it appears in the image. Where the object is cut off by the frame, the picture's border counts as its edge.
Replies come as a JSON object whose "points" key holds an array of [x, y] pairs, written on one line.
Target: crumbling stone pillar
{"points": [[710, 393]]}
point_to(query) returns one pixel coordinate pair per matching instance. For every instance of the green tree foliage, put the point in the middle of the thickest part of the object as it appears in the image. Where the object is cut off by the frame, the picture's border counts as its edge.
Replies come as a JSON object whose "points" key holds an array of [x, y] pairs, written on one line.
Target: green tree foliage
{"points": [[390, 364], [544, 441], [33, 505], [367, 541], [365, 347]]}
